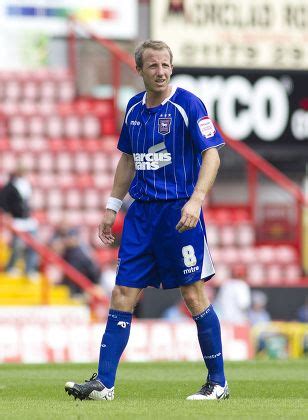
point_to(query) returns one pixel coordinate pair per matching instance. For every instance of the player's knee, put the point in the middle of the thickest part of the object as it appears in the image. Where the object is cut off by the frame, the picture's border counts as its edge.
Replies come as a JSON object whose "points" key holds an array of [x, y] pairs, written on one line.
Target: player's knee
{"points": [[192, 301], [117, 297], [195, 298], [121, 299]]}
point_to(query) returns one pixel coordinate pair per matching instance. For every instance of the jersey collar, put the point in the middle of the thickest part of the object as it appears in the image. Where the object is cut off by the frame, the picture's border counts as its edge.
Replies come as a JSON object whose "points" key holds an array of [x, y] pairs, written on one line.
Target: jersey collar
{"points": [[173, 89]]}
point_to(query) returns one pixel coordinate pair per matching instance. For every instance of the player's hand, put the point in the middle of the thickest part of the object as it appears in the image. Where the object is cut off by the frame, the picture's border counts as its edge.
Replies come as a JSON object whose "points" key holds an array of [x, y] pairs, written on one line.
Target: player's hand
{"points": [[104, 229], [190, 215]]}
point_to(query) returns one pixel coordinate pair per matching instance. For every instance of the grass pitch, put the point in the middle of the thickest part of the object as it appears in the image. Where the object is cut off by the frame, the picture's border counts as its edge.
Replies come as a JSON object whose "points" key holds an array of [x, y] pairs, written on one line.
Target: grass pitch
{"points": [[259, 389]]}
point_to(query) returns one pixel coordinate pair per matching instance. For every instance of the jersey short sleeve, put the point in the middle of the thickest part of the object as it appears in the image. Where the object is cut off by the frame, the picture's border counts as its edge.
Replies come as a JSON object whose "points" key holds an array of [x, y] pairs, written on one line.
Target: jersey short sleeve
{"points": [[124, 143], [203, 133]]}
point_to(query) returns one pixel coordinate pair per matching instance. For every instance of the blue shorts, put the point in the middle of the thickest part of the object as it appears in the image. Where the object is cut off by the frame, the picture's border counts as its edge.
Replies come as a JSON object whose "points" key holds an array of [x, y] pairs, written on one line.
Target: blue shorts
{"points": [[154, 253]]}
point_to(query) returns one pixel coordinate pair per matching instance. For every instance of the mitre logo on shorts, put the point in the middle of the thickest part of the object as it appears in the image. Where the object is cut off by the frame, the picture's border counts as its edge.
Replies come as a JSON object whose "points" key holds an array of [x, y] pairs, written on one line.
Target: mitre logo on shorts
{"points": [[156, 158], [191, 270], [206, 127]]}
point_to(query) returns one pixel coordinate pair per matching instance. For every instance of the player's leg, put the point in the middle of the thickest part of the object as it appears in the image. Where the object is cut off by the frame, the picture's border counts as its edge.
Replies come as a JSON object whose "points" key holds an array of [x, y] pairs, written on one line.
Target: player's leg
{"points": [[184, 259], [209, 336], [101, 385], [117, 332], [136, 270]]}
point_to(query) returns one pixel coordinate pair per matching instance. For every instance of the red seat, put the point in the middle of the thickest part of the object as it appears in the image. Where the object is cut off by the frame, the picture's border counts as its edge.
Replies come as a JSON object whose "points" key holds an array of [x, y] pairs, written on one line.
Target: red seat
{"points": [[4, 144], [231, 255], [90, 126], [256, 275], [245, 234], [55, 198], [265, 254], [292, 274], [63, 162], [274, 275], [73, 199], [286, 254], [248, 255], [227, 235]]}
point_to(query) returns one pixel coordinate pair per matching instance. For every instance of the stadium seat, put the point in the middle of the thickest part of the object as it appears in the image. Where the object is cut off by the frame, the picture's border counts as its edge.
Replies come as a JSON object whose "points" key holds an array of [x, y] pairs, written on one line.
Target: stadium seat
{"points": [[265, 254], [36, 126], [245, 234], [100, 163], [227, 235], [48, 90], [72, 126], [45, 162], [54, 127], [212, 234], [91, 199], [4, 144], [92, 217], [30, 90], [103, 181], [222, 273], [38, 199], [13, 90], [29, 160], [90, 127], [256, 275], [46, 180], [82, 162], [286, 254], [73, 199], [55, 198], [17, 126], [231, 255], [64, 162], [292, 274], [274, 274], [247, 254], [66, 91]]}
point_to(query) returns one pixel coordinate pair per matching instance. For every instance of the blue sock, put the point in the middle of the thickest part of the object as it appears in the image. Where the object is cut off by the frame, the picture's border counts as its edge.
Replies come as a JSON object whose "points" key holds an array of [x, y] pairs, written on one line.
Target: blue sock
{"points": [[210, 343], [113, 344]]}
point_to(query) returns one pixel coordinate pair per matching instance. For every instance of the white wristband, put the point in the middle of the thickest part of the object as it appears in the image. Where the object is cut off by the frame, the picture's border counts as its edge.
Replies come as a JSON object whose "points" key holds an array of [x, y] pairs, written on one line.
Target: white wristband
{"points": [[114, 204]]}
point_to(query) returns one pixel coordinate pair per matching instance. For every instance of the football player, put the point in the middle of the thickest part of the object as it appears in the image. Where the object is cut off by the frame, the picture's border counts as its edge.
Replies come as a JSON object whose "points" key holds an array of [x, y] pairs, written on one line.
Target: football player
{"points": [[168, 165]]}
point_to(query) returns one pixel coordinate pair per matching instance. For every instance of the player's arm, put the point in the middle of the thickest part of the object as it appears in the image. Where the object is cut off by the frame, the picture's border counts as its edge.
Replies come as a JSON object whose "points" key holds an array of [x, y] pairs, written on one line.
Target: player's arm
{"points": [[124, 175], [207, 175]]}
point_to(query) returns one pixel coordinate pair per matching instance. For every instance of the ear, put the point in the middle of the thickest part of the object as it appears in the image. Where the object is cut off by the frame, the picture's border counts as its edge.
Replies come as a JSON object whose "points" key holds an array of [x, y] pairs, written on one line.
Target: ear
{"points": [[139, 70]]}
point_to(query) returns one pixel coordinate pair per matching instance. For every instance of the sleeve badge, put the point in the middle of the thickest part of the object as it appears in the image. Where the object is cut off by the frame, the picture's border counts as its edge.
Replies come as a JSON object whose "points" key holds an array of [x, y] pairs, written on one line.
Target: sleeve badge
{"points": [[206, 127]]}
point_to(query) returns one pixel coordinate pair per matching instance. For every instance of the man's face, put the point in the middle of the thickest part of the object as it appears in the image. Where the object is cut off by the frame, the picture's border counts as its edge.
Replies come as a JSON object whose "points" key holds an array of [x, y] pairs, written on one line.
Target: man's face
{"points": [[156, 70]]}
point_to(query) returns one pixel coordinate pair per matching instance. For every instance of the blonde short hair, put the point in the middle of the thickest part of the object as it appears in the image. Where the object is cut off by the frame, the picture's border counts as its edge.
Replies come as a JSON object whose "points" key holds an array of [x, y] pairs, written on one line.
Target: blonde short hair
{"points": [[155, 45]]}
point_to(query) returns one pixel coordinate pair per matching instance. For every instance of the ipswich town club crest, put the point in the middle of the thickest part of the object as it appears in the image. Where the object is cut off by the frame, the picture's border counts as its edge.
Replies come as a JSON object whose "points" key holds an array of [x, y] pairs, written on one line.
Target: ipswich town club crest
{"points": [[164, 125]]}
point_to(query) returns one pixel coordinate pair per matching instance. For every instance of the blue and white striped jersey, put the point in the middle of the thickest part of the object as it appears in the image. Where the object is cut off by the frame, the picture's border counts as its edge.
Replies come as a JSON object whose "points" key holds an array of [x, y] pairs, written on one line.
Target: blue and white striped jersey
{"points": [[166, 143]]}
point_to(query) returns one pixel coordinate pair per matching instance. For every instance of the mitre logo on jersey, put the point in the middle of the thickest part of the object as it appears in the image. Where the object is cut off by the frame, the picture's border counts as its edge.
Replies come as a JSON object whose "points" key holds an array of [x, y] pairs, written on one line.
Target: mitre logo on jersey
{"points": [[164, 125], [206, 127], [156, 158]]}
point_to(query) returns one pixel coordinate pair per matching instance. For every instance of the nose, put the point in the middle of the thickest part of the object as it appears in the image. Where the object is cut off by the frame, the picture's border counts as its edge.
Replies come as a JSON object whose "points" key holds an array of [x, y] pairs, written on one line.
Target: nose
{"points": [[160, 70]]}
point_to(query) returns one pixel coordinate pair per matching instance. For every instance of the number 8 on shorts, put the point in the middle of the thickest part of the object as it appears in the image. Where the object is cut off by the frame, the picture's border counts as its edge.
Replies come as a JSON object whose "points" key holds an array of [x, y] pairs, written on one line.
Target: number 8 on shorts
{"points": [[188, 253]]}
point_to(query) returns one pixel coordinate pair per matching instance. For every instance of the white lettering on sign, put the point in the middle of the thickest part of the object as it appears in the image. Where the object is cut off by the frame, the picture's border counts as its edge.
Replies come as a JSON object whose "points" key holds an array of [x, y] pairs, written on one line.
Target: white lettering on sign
{"points": [[299, 124], [243, 108]]}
